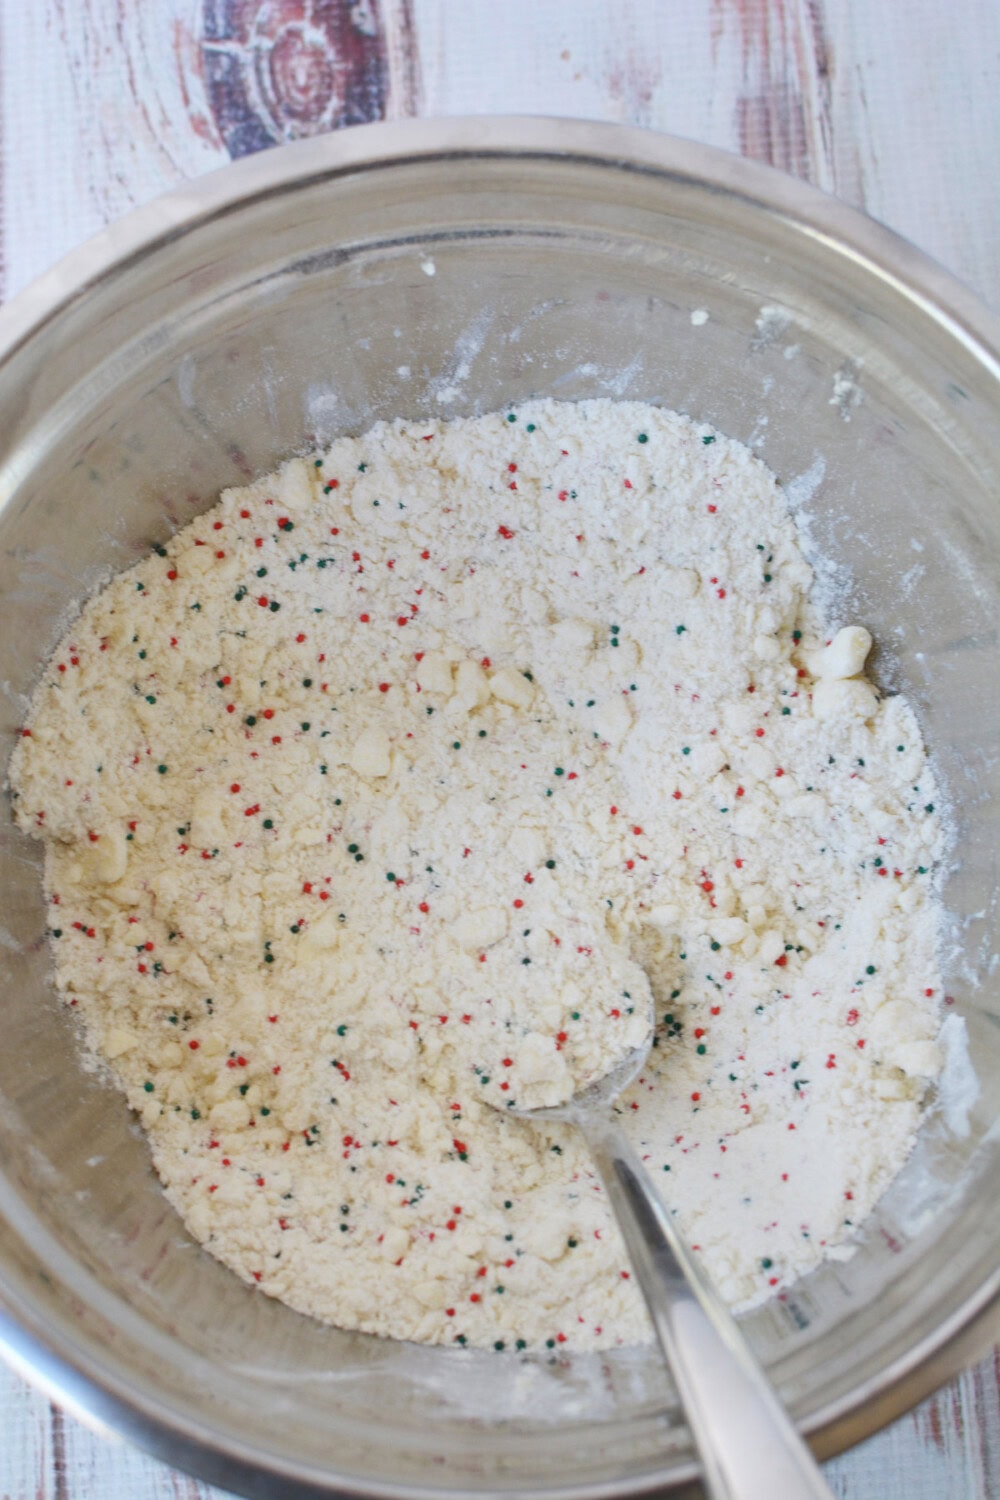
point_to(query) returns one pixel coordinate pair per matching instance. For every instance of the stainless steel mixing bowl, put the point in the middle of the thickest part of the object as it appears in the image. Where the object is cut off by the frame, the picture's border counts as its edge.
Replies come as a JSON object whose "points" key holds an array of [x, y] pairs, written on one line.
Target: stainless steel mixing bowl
{"points": [[291, 297]]}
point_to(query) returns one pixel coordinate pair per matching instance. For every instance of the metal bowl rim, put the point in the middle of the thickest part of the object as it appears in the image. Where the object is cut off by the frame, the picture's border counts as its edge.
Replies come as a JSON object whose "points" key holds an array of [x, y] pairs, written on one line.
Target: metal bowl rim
{"points": [[48, 1356]]}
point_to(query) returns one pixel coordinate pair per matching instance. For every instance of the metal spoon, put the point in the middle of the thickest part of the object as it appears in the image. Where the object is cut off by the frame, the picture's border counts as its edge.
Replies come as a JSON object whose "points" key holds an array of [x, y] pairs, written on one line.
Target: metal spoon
{"points": [[749, 1447]]}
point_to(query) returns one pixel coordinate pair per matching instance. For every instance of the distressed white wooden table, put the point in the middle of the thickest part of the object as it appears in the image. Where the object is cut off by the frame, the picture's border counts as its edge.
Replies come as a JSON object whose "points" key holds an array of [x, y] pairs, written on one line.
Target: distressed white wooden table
{"points": [[892, 104]]}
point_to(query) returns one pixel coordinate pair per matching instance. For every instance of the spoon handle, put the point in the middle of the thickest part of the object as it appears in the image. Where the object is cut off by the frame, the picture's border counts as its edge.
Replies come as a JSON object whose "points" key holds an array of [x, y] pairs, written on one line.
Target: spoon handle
{"points": [[749, 1447]]}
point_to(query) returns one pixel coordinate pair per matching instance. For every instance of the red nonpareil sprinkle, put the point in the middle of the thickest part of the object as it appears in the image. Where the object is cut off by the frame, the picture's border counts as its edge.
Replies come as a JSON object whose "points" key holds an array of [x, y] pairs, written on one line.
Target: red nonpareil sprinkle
{"points": [[781, 960], [696, 1096], [383, 687], [424, 907], [711, 510], [194, 1045], [505, 532]]}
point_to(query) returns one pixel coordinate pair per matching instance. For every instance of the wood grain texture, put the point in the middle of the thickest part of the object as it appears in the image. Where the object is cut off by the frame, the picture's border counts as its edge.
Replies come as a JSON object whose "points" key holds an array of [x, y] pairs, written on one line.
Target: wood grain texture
{"points": [[894, 107]]}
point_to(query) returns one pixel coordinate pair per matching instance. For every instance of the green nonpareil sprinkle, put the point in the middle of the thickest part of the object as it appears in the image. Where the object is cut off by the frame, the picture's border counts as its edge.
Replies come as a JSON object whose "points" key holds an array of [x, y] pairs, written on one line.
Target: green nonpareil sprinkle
{"points": [[162, 770], [148, 1087]]}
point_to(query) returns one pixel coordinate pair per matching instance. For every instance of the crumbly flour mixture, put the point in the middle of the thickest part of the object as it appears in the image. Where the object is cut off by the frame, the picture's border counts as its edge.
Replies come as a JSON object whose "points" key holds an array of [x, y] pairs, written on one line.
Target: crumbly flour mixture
{"points": [[373, 798]]}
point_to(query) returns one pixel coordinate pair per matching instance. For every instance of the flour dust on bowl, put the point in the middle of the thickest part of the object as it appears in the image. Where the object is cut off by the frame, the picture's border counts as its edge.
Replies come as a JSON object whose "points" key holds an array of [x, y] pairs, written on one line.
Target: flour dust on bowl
{"points": [[284, 303]]}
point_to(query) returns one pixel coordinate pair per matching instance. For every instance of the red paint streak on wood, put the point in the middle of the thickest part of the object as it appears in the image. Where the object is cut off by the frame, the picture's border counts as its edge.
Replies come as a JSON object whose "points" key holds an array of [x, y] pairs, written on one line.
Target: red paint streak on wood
{"points": [[405, 82], [782, 104], [632, 84], [190, 62]]}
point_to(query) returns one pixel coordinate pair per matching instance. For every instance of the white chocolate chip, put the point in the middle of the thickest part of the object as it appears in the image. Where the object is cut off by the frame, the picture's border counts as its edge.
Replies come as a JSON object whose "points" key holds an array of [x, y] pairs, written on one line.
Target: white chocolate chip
{"points": [[512, 687], [372, 753]]}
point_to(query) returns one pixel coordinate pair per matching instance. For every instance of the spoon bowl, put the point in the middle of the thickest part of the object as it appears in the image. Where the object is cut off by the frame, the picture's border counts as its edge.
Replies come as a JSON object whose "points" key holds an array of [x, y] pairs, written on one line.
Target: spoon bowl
{"points": [[749, 1447]]}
